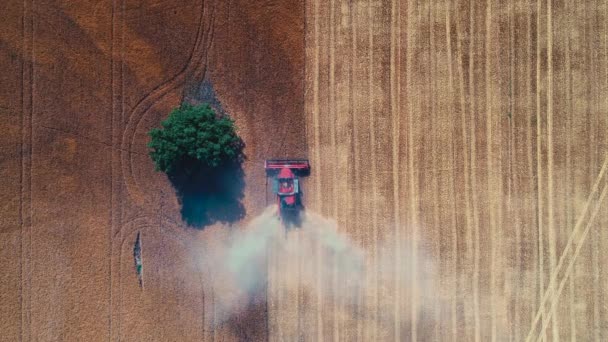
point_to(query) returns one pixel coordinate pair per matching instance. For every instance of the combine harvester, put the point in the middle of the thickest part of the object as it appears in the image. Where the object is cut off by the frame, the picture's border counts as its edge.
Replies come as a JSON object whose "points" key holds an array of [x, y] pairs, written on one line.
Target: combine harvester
{"points": [[284, 175]]}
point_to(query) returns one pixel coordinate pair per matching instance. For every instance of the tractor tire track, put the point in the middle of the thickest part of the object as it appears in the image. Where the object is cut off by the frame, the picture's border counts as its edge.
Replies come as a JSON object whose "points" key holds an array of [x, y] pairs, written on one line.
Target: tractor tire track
{"points": [[26, 154], [548, 295], [570, 267], [142, 108]]}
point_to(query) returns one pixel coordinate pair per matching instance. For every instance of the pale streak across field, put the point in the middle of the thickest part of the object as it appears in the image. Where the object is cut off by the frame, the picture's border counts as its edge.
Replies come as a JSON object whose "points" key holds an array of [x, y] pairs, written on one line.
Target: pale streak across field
{"points": [[471, 134]]}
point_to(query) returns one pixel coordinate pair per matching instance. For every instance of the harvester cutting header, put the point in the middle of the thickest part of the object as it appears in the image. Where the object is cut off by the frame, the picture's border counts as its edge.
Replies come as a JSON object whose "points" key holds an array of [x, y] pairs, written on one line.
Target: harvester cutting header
{"points": [[285, 175]]}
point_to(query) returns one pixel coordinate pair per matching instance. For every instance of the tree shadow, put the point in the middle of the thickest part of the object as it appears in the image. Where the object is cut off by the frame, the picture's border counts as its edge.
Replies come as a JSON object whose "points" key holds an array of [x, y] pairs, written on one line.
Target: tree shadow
{"points": [[209, 195]]}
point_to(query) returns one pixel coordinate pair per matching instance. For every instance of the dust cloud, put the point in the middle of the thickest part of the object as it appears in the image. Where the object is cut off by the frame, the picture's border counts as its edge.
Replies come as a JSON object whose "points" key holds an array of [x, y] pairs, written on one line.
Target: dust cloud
{"points": [[254, 263]]}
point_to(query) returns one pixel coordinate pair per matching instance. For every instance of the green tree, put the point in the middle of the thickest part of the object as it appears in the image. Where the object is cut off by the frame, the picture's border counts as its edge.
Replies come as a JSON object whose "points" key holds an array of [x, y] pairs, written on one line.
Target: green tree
{"points": [[194, 139]]}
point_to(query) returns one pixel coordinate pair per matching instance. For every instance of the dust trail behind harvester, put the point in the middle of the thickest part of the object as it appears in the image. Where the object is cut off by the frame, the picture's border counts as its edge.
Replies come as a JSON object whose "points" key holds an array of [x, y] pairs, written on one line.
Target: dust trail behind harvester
{"points": [[327, 264]]}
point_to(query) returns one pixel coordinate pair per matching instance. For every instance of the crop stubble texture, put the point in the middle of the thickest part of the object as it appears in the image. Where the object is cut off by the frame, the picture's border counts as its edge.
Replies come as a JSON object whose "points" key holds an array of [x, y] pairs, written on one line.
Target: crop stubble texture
{"points": [[82, 84]]}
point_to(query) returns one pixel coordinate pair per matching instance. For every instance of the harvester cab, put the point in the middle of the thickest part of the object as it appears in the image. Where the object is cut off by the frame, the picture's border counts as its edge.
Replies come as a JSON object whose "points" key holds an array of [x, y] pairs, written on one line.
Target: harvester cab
{"points": [[284, 174]]}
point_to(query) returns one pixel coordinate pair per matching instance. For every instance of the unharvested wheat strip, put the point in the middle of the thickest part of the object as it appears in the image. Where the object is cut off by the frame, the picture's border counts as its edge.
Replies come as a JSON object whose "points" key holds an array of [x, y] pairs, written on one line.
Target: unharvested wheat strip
{"points": [[454, 282], [595, 250], [604, 239], [432, 58], [315, 118], [400, 179], [341, 24], [594, 142], [315, 103], [569, 206], [332, 102], [539, 162], [490, 169], [465, 146], [327, 147], [316, 149], [357, 163], [550, 220], [395, 149], [503, 138], [529, 102], [309, 316], [332, 131], [512, 160], [473, 156], [411, 175], [371, 95]]}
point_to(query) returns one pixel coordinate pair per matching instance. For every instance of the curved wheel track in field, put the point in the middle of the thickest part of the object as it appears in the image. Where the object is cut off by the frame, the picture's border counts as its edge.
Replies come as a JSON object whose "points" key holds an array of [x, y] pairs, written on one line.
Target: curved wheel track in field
{"points": [[195, 62]]}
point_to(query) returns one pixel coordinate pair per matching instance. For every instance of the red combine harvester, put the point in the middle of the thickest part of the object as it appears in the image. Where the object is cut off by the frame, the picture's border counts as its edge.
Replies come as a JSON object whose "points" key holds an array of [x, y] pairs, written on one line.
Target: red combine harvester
{"points": [[286, 185]]}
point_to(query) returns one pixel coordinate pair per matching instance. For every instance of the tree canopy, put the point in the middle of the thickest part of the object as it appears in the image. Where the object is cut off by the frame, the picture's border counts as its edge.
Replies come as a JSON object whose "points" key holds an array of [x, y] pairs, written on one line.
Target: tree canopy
{"points": [[194, 138]]}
